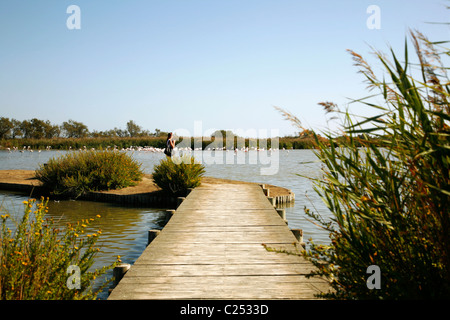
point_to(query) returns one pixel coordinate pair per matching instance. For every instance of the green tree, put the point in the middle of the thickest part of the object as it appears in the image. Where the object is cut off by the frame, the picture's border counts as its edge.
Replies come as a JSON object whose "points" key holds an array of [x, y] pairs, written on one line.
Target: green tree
{"points": [[38, 128], [74, 129], [51, 131], [16, 130], [5, 127], [119, 132], [159, 133], [26, 128], [33, 129], [133, 129]]}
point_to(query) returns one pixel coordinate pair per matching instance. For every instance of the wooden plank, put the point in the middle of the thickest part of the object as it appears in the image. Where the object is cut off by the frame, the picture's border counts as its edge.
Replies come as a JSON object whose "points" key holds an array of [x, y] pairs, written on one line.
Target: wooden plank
{"points": [[250, 287], [211, 258], [217, 248], [265, 282], [212, 249], [235, 237], [200, 270], [227, 228]]}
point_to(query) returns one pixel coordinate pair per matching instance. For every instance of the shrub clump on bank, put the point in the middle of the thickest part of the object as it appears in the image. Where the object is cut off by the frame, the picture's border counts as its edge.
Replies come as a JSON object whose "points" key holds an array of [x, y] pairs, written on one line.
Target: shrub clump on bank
{"points": [[176, 175], [79, 172], [39, 261]]}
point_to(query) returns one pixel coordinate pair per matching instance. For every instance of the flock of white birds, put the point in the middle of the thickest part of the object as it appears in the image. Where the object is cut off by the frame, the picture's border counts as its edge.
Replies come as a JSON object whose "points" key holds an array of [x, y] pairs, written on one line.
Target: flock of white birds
{"points": [[149, 149]]}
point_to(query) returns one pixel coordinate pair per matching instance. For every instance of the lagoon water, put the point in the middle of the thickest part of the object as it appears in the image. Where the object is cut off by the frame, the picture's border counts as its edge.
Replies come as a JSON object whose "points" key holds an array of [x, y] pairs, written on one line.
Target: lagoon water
{"points": [[124, 228]]}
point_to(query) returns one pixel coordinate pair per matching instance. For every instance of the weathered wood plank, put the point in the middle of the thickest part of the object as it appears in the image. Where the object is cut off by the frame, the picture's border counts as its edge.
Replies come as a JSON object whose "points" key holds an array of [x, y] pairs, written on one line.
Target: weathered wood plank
{"points": [[265, 282], [199, 270], [250, 287]]}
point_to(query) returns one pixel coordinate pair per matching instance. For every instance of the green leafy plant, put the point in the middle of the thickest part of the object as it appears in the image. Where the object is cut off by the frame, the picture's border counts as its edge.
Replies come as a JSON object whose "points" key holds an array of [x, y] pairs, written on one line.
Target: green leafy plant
{"points": [[386, 183], [177, 174], [36, 256], [78, 172]]}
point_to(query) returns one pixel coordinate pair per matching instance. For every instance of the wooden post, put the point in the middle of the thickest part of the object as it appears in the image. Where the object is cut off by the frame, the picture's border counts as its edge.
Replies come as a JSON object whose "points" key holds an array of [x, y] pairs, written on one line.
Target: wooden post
{"points": [[272, 200], [152, 234], [266, 192], [298, 233], [119, 271], [180, 201], [282, 213], [169, 214]]}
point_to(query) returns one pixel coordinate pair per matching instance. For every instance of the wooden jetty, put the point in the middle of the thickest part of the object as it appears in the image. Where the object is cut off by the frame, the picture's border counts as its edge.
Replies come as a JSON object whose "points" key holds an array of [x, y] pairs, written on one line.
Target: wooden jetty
{"points": [[145, 193], [212, 248]]}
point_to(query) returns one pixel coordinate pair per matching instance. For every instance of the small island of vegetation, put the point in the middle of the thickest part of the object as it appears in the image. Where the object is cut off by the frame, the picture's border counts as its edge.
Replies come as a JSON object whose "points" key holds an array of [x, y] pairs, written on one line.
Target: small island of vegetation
{"points": [[76, 173]]}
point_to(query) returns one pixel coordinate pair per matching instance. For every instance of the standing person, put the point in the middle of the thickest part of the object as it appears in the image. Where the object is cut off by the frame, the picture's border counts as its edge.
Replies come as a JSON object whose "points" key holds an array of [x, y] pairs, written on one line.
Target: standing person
{"points": [[170, 145]]}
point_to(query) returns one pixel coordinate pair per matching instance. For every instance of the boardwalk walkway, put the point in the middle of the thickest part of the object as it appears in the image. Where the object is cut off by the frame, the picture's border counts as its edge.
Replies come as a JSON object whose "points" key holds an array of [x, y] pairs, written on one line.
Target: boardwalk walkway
{"points": [[212, 249]]}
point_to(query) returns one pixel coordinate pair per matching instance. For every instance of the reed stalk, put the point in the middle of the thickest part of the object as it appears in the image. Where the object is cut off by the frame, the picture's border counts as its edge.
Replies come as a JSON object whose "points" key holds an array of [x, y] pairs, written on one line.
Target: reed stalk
{"points": [[386, 183]]}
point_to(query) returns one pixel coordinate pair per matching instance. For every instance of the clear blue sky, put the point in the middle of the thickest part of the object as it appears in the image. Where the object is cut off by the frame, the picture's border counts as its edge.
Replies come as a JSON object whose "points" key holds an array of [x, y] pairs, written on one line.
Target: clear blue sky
{"points": [[168, 63]]}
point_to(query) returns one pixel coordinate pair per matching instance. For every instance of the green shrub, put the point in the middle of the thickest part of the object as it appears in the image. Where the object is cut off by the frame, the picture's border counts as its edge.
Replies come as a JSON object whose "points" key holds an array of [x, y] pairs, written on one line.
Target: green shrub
{"points": [[177, 174], [78, 172], [390, 197], [36, 256]]}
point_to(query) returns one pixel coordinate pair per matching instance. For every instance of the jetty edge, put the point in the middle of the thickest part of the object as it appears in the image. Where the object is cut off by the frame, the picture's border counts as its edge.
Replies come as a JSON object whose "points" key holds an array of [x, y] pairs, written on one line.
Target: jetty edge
{"points": [[145, 193]]}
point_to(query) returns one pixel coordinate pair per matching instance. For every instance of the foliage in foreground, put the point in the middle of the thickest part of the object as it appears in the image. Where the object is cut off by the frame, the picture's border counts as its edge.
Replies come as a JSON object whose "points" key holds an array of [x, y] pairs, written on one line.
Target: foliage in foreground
{"points": [[390, 198], [35, 257], [76, 173], [177, 174]]}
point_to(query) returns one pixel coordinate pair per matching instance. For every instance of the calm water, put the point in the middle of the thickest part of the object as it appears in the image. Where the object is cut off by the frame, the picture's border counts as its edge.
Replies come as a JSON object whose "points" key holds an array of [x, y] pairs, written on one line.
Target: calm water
{"points": [[124, 229]]}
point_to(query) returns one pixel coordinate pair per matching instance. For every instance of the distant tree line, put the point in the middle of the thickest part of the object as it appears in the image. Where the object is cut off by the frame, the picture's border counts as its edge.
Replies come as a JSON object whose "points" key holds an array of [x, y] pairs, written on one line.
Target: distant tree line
{"points": [[40, 129], [40, 134]]}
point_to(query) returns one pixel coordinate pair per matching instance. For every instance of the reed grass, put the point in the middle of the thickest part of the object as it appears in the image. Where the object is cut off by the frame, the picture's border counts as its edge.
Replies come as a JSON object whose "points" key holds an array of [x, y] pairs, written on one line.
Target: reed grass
{"points": [[76, 173], [389, 194]]}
